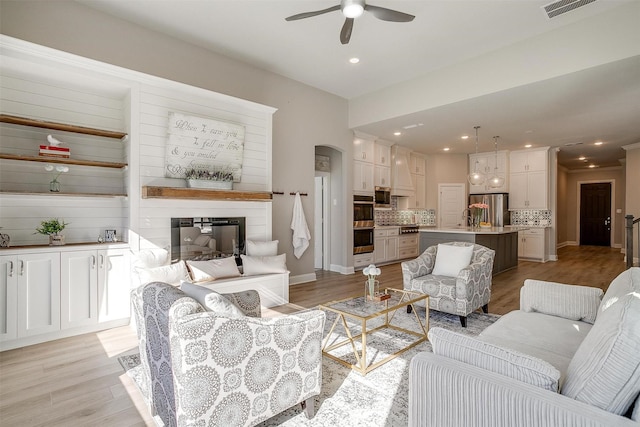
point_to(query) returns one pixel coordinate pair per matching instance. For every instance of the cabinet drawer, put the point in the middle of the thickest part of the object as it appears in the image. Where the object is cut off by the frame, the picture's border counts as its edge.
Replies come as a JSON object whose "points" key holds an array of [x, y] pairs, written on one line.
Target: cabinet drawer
{"points": [[407, 241], [534, 232], [393, 232], [362, 260], [408, 252]]}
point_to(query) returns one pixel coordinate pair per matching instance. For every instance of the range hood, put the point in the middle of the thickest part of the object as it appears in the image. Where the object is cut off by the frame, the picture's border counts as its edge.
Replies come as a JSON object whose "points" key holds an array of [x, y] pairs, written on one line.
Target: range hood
{"points": [[401, 182]]}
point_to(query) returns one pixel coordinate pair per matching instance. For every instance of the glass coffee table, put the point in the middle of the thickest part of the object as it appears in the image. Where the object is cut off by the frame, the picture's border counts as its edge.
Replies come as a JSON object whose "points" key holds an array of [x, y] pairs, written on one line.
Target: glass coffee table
{"points": [[361, 312]]}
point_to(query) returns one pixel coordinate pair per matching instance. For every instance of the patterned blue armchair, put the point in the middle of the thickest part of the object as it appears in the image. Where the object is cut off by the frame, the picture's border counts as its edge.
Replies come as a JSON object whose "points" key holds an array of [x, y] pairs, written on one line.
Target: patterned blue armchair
{"points": [[206, 369], [460, 295]]}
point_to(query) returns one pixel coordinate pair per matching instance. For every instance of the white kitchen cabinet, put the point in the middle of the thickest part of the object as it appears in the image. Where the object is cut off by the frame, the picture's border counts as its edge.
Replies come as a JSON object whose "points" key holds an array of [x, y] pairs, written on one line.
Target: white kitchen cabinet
{"points": [[8, 298], [487, 165], [529, 179], [113, 285], [363, 177], [385, 244], [382, 176], [418, 164], [408, 246], [79, 288], [363, 150], [362, 260], [419, 198], [382, 155], [532, 244]]}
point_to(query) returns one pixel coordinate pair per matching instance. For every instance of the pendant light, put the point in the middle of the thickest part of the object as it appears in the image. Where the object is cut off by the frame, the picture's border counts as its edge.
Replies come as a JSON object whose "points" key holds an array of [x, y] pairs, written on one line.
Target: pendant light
{"points": [[496, 181], [476, 177]]}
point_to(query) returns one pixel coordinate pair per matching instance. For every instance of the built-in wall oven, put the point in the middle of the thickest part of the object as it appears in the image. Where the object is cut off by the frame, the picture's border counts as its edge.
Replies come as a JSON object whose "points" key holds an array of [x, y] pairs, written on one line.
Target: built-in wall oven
{"points": [[363, 223]]}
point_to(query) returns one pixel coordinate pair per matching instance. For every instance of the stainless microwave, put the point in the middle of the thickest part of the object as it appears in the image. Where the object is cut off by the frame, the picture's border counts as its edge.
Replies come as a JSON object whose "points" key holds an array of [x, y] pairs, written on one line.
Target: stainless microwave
{"points": [[382, 197]]}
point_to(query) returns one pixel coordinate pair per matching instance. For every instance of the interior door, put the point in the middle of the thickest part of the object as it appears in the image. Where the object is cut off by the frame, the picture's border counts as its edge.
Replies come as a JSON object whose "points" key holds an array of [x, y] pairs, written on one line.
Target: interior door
{"points": [[595, 214], [451, 204]]}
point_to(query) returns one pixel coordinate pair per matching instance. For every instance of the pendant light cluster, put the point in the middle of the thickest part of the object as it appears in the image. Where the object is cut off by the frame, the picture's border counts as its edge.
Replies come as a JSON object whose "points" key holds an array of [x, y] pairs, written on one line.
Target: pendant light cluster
{"points": [[476, 177], [496, 181]]}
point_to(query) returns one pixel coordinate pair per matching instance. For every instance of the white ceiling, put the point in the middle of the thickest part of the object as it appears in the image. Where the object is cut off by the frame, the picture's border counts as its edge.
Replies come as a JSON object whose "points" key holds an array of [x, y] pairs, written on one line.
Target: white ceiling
{"points": [[576, 109]]}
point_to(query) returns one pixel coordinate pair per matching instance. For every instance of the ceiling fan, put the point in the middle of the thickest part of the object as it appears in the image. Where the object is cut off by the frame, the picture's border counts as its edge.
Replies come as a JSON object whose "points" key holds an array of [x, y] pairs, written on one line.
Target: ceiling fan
{"points": [[353, 9]]}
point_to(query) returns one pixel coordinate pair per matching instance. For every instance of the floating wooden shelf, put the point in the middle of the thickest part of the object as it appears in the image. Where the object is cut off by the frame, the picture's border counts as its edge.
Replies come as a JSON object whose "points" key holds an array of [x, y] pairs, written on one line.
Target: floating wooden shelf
{"points": [[61, 194], [149, 192], [60, 126], [44, 159]]}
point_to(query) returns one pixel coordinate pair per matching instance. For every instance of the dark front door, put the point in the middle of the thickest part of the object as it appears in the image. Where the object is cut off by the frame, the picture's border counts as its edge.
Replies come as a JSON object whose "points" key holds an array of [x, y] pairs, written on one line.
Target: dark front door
{"points": [[595, 214]]}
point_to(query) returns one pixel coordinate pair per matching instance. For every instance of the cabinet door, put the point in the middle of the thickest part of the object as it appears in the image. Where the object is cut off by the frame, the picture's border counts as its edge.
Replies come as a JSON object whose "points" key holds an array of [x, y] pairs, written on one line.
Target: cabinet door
{"points": [[521, 240], [418, 164], [518, 189], [363, 177], [537, 190], [419, 199], [379, 249], [363, 150], [518, 161], [38, 293], [537, 161], [382, 176], [533, 246], [113, 284], [392, 248], [78, 288], [8, 298], [382, 155]]}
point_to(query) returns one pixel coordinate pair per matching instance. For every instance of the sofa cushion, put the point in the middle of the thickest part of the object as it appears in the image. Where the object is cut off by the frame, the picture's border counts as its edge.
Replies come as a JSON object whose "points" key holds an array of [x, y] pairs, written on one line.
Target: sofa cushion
{"points": [[172, 274], [626, 282], [262, 248], [451, 259], [211, 300], [499, 360], [550, 338], [605, 371], [557, 299], [254, 265], [213, 269]]}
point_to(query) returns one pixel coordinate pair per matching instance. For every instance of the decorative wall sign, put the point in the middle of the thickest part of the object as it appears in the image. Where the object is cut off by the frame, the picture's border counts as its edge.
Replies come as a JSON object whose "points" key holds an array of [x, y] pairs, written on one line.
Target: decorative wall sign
{"points": [[199, 143], [110, 236]]}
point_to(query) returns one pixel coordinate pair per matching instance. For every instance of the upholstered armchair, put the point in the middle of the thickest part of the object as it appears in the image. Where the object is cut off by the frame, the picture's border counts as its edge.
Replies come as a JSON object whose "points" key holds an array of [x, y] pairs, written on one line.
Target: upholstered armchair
{"points": [[458, 292], [203, 368]]}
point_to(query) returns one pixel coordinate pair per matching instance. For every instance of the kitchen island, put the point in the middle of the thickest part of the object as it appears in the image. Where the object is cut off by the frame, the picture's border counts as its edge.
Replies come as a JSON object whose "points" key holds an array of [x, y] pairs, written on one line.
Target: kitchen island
{"points": [[503, 240]]}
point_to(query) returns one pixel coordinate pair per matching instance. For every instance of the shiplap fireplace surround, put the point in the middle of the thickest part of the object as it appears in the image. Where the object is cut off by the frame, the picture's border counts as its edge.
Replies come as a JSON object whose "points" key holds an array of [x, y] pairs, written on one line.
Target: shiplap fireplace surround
{"points": [[45, 84]]}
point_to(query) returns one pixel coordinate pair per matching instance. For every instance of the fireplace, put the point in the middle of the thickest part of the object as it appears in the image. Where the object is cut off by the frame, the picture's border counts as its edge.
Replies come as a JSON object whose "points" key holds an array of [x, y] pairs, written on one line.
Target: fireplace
{"points": [[203, 238]]}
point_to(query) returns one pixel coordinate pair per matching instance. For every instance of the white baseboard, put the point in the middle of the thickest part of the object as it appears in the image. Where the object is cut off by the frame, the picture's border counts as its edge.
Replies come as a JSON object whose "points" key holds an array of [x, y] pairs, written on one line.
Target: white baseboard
{"points": [[617, 246], [553, 257], [302, 278], [341, 269]]}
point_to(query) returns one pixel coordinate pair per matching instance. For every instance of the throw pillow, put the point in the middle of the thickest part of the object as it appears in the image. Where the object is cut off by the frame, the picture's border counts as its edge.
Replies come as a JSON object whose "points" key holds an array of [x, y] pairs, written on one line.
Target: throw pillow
{"points": [[253, 265], [211, 300], [556, 299], [627, 281], [493, 358], [152, 258], [262, 248], [213, 269], [605, 370], [451, 259], [171, 274]]}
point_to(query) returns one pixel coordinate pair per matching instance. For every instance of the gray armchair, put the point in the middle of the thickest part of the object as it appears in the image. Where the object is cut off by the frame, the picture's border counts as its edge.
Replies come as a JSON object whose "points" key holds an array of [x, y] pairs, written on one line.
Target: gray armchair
{"points": [[203, 368], [460, 295]]}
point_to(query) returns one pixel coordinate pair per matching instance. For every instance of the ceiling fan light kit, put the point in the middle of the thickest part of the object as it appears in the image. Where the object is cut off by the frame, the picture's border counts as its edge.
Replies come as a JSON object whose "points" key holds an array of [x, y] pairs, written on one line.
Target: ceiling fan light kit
{"points": [[353, 9], [476, 177]]}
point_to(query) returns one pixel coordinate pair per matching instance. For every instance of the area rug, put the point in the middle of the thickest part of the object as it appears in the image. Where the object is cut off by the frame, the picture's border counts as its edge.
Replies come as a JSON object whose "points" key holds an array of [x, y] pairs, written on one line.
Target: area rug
{"points": [[379, 399]]}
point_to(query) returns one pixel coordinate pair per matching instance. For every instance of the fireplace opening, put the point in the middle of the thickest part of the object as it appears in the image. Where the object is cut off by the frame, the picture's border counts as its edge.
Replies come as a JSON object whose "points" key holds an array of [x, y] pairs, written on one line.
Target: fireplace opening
{"points": [[204, 238]]}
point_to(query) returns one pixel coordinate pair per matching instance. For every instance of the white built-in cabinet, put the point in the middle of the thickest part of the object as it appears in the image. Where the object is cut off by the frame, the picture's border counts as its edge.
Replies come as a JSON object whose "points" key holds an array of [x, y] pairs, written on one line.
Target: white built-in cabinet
{"points": [[418, 200], [363, 150], [529, 179], [408, 246], [382, 155], [532, 244], [46, 295], [386, 244], [486, 163], [363, 166]]}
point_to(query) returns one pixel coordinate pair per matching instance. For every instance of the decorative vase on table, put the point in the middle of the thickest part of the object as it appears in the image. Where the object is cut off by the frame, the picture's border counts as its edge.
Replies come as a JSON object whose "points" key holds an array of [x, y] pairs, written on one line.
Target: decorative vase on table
{"points": [[371, 288], [56, 239]]}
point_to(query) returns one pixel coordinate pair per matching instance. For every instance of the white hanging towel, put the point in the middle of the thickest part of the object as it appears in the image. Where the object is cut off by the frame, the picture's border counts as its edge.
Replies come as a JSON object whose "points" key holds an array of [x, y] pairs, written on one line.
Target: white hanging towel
{"points": [[301, 235]]}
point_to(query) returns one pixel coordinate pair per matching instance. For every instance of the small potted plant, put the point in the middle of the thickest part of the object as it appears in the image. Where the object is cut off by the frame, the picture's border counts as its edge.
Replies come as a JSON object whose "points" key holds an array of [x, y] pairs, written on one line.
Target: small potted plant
{"points": [[199, 178], [52, 228]]}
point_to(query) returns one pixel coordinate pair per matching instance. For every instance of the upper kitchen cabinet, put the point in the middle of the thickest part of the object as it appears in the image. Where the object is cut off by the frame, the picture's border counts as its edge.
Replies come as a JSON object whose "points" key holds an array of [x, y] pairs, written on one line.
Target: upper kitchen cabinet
{"points": [[363, 150], [486, 163], [382, 176], [401, 182], [529, 188], [418, 163], [363, 178], [382, 155]]}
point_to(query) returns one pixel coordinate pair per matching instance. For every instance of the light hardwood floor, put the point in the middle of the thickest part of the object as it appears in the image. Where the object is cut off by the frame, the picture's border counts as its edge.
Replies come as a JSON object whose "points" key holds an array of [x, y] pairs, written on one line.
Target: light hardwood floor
{"points": [[78, 381]]}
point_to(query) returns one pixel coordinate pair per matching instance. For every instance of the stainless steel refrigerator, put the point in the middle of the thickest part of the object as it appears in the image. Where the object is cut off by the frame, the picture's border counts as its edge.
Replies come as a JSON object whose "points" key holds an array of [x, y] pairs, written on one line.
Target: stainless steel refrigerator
{"points": [[498, 212]]}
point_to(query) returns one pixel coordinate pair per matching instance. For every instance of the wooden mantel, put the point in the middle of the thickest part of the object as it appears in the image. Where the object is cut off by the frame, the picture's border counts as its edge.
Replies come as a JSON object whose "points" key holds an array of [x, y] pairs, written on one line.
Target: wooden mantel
{"points": [[150, 192]]}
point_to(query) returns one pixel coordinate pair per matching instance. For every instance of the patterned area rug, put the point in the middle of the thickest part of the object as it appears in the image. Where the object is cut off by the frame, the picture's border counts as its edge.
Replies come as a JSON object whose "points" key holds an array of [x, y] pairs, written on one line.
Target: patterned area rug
{"points": [[378, 399]]}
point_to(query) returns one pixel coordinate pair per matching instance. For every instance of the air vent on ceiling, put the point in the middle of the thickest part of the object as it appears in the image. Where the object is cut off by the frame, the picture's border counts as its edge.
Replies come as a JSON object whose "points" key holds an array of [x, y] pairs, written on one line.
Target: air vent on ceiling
{"points": [[563, 6], [571, 144]]}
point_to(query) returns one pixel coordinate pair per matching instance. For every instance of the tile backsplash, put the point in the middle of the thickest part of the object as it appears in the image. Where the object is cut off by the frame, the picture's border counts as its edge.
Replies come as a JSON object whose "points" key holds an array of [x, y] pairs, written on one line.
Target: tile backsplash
{"points": [[396, 217], [532, 217]]}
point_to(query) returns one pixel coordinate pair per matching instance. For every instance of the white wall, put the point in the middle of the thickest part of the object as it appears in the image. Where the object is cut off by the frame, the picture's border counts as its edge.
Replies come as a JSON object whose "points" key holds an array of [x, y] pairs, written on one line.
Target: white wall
{"points": [[306, 117]]}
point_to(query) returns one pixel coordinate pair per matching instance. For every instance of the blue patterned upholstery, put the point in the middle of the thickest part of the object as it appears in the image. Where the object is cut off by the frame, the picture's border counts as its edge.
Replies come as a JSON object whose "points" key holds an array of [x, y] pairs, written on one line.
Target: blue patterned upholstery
{"points": [[460, 295], [205, 369]]}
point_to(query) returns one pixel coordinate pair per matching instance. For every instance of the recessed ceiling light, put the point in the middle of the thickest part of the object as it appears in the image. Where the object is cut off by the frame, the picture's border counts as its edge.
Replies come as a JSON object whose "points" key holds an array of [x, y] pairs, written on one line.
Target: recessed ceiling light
{"points": [[464, 137], [397, 133], [592, 166], [445, 149], [582, 158], [598, 143], [528, 131], [354, 60], [528, 146]]}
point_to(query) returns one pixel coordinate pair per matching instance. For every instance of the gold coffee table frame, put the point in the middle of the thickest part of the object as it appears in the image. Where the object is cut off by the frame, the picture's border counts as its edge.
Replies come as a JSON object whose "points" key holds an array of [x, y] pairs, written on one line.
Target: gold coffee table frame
{"points": [[354, 308]]}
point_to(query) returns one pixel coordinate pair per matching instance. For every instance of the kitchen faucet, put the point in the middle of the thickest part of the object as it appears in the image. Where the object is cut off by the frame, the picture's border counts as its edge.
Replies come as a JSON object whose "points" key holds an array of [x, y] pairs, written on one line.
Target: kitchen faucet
{"points": [[467, 218]]}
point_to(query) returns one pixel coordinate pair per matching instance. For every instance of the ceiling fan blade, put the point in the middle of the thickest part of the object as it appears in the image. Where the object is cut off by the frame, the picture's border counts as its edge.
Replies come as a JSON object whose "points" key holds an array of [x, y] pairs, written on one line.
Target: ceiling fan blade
{"points": [[388, 14], [345, 33], [310, 14]]}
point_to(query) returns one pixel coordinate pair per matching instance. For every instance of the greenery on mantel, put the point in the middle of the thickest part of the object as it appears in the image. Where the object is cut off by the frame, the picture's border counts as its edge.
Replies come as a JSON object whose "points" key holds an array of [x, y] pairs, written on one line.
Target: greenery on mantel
{"points": [[217, 175], [51, 227]]}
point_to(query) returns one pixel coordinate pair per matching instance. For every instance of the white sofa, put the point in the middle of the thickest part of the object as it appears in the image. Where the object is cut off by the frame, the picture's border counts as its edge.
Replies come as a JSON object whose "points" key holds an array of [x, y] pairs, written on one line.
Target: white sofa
{"points": [[568, 357]]}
